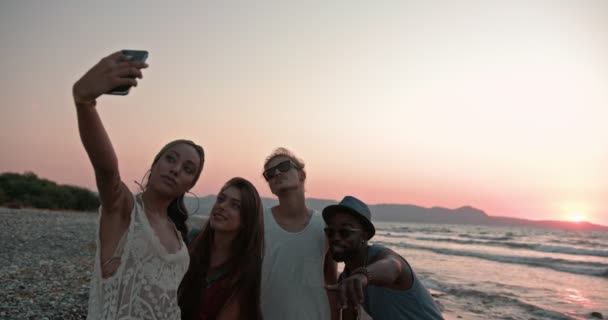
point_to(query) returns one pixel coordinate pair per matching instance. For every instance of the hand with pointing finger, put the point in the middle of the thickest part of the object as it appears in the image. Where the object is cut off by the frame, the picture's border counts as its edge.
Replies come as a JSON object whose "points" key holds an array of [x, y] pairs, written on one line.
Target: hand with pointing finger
{"points": [[349, 291]]}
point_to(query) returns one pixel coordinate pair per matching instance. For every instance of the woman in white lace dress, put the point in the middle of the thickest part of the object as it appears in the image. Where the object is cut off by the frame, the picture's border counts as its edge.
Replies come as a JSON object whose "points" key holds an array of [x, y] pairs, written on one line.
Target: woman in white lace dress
{"points": [[141, 255]]}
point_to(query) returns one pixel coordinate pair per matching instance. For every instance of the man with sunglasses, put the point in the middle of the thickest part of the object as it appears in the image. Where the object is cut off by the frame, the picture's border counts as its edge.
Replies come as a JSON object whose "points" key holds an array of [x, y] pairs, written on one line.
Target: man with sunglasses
{"points": [[374, 276], [296, 264]]}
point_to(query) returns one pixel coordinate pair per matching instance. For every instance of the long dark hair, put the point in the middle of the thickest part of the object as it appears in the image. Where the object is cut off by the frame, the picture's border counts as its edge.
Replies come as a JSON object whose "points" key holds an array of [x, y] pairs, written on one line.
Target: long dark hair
{"points": [[177, 211], [245, 262]]}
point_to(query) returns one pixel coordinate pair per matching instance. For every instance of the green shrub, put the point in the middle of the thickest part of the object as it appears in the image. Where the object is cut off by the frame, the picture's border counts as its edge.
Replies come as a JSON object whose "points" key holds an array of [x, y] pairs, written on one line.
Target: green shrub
{"points": [[28, 190]]}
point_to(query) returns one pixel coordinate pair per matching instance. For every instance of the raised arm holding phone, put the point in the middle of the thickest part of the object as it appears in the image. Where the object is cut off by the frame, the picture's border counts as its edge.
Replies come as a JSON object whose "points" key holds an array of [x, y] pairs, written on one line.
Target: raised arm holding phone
{"points": [[141, 255]]}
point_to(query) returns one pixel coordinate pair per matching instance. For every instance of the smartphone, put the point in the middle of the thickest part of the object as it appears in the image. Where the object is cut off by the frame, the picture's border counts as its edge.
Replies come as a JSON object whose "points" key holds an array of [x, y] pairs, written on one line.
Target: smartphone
{"points": [[135, 55]]}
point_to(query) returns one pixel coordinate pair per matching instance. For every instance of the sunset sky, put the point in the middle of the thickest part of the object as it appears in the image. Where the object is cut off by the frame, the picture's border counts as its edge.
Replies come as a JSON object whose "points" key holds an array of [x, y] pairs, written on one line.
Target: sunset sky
{"points": [[501, 105]]}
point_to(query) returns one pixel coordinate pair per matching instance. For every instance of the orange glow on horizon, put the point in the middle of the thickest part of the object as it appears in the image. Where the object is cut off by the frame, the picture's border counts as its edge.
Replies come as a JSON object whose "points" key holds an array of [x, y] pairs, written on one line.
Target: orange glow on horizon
{"points": [[399, 103], [577, 217]]}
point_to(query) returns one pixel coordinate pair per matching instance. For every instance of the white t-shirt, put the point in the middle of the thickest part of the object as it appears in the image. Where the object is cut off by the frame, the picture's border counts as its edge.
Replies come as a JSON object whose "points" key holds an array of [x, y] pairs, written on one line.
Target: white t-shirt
{"points": [[293, 281]]}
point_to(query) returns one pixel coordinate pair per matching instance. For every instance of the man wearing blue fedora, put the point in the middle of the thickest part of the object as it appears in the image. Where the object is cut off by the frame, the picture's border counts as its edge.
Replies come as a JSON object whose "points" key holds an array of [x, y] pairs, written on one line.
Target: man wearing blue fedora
{"points": [[374, 276]]}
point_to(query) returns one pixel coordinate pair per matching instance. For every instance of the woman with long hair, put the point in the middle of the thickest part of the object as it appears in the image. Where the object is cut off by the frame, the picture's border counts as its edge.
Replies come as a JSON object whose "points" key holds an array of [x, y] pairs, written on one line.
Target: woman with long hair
{"points": [[141, 255], [223, 279]]}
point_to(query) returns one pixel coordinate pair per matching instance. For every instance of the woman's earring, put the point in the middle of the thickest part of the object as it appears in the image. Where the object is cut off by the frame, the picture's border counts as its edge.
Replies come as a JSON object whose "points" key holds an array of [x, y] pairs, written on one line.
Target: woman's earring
{"points": [[197, 201], [141, 184]]}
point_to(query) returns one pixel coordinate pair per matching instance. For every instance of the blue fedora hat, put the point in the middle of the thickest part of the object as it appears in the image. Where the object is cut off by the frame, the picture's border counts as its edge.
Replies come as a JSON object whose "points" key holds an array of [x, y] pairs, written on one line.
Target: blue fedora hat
{"points": [[355, 207]]}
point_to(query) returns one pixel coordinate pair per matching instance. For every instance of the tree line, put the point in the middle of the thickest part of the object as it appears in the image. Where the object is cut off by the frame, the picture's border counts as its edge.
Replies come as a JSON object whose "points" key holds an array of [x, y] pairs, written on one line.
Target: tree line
{"points": [[28, 190]]}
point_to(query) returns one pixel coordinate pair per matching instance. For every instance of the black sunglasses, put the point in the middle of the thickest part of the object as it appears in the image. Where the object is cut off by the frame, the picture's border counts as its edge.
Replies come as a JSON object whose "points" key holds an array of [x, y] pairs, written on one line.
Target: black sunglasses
{"points": [[342, 232], [283, 167]]}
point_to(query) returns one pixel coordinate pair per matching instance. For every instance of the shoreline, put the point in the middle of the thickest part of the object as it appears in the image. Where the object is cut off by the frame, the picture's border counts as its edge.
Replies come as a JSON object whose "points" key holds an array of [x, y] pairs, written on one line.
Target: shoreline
{"points": [[47, 259]]}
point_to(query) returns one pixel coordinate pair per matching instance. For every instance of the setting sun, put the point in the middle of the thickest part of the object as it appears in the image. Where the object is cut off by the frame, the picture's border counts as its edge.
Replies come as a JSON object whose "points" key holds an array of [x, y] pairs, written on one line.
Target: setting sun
{"points": [[577, 217]]}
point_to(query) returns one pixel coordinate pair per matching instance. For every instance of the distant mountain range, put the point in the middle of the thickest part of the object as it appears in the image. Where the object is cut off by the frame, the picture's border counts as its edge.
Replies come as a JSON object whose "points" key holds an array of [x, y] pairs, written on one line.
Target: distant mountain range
{"points": [[414, 214]]}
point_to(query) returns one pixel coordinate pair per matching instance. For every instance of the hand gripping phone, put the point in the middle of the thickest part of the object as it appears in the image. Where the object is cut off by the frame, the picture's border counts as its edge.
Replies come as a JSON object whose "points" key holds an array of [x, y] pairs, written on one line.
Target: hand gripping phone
{"points": [[135, 55]]}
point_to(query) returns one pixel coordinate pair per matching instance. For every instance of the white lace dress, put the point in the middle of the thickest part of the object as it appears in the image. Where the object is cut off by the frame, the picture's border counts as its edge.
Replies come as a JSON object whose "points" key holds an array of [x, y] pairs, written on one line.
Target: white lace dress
{"points": [[145, 284]]}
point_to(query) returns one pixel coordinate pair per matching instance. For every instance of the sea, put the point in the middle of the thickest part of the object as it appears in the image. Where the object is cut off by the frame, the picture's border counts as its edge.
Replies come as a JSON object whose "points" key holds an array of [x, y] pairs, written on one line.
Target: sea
{"points": [[481, 272]]}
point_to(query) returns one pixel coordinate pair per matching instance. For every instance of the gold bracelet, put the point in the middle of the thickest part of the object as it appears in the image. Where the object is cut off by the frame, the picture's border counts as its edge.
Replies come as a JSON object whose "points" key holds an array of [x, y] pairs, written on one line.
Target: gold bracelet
{"points": [[90, 103]]}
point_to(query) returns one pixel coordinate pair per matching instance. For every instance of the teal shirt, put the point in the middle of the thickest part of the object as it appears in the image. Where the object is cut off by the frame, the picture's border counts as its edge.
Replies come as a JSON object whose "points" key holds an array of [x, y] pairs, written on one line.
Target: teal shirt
{"points": [[390, 304]]}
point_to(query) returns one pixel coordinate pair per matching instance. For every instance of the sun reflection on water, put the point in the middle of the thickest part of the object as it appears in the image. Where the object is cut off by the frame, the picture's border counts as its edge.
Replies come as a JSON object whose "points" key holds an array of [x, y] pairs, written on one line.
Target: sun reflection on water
{"points": [[576, 297]]}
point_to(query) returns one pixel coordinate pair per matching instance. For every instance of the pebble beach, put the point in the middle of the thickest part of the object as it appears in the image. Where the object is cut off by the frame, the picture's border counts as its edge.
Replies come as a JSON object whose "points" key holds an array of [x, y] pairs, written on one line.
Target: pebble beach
{"points": [[46, 260], [45, 263]]}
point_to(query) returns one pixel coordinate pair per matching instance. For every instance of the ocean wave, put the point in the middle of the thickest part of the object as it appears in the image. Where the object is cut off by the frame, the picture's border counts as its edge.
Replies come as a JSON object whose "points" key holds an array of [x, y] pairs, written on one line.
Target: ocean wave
{"points": [[392, 235], [507, 236], [398, 229], [519, 245], [571, 250], [597, 269], [424, 229], [581, 242], [494, 301]]}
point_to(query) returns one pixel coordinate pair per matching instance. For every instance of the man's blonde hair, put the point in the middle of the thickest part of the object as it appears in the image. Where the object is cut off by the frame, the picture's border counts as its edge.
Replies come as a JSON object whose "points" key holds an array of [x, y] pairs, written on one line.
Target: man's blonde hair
{"points": [[284, 152]]}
